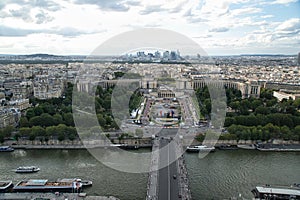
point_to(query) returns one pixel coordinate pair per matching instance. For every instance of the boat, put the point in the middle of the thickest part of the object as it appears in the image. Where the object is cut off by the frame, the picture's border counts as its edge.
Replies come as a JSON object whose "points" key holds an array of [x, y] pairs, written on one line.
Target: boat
{"points": [[43, 185], [6, 186], [277, 192], [85, 183], [6, 149], [200, 148], [247, 146], [227, 147], [278, 147], [30, 169]]}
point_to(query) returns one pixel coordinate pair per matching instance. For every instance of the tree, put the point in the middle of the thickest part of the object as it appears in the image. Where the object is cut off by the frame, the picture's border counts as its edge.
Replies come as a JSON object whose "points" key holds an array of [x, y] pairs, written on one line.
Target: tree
{"points": [[32, 137], [25, 131], [30, 113], [35, 121], [48, 108], [38, 131], [7, 131], [101, 120], [38, 111], [262, 110], [61, 136], [47, 120], [68, 119], [57, 119], [24, 122], [235, 105], [200, 137], [296, 103], [61, 128], [71, 133]]}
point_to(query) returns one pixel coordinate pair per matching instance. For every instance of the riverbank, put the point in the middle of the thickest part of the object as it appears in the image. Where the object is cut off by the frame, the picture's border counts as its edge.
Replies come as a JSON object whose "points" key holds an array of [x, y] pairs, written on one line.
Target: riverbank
{"points": [[61, 196], [136, 143]]}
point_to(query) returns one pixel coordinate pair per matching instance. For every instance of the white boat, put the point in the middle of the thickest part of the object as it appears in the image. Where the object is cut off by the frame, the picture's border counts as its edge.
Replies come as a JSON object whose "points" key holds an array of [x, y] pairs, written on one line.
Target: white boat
{"points": [[200, 148], [30, 169], [5, 186], [6, 149]]}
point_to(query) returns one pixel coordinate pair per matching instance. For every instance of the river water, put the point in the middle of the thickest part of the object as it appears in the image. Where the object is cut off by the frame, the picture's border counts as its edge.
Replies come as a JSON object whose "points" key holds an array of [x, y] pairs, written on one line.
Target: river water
{"points": [[219, 175], [226, 174]]}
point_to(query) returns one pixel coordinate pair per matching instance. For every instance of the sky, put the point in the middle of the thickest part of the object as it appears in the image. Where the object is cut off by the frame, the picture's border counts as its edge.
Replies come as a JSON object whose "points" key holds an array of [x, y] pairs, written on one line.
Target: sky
{"points": [[220, 27]]}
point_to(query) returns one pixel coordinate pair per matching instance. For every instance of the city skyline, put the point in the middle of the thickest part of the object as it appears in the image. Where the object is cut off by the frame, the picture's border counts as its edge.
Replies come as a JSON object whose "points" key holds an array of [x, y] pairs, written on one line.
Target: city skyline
{"points": [[220, 27]]}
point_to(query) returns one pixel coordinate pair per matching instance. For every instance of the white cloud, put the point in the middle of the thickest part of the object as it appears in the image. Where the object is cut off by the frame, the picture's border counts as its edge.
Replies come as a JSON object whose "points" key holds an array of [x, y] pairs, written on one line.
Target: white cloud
{"points": [[245, 11], [267, 16], [290, 25], [283, 1], [79, 27]]}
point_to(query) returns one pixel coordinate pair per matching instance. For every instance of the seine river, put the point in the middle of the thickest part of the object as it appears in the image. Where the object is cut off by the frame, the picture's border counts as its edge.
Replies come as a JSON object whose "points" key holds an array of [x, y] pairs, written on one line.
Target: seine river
{"points": [[219, 175]]}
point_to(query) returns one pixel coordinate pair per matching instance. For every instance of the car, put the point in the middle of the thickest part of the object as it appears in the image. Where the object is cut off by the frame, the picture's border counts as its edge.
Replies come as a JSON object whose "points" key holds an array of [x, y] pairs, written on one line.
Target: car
{"points": [[174, 176]]}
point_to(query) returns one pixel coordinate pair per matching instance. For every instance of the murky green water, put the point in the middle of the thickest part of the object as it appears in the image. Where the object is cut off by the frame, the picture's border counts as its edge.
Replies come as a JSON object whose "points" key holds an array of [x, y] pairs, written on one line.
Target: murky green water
{"points": [[219, 175]]}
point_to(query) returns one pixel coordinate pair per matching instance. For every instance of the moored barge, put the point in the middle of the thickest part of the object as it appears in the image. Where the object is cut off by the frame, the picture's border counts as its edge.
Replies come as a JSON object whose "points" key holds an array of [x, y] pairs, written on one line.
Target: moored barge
{"points": [[277, 192], [44, 185]]}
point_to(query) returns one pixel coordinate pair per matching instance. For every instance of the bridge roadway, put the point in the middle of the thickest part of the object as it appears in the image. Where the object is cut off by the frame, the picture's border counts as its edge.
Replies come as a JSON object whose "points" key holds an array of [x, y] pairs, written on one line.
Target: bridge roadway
{"points": [[168, 188]]}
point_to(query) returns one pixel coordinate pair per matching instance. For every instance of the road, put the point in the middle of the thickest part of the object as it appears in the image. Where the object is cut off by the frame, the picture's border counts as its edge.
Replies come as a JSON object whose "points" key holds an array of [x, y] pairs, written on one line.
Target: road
{"points": [[168, 188]]}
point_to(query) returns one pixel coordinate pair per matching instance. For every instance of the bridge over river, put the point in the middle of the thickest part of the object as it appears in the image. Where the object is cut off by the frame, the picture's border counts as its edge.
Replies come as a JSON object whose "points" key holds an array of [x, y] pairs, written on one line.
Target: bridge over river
{"points": [[168, 176]]}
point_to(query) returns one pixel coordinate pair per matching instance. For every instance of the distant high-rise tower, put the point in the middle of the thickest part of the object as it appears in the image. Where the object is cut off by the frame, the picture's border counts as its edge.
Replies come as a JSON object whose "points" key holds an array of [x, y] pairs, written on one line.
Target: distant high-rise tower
{"points": [[299, 58]]}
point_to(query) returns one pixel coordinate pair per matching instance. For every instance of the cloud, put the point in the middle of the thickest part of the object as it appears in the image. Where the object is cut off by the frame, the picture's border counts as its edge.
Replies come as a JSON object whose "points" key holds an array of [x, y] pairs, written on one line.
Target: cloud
{"points": [[283, 1], [290, 25], [6, 31], [46, 4], [21, 9], [245, 11], [151, 9], [43, 17], [219, 29], [177, 8], [267, 16], [112, 5], [188, 13], [23, 13], [14, 32]]}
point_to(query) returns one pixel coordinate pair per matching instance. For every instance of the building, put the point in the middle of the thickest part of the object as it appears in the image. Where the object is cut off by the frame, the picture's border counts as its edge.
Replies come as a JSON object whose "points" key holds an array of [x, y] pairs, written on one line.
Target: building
{"points": [[46, 87], [148, 83], [8, 118], [23, 90], [280, 95]]}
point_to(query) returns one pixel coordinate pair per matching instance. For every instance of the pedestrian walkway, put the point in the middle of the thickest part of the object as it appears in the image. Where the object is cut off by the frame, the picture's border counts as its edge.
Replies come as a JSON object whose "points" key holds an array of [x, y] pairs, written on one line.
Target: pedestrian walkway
{"points": [[184, 190], [153, 174]]}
